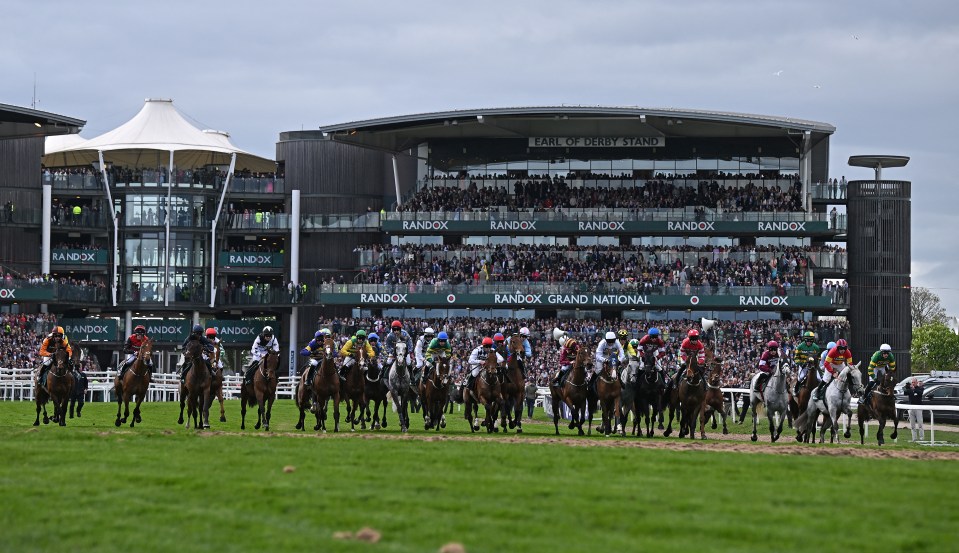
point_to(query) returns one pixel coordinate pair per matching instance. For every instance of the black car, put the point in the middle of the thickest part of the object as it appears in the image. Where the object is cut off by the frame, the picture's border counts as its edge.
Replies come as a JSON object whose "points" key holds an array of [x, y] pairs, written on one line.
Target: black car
{"points": [[937, 393]]}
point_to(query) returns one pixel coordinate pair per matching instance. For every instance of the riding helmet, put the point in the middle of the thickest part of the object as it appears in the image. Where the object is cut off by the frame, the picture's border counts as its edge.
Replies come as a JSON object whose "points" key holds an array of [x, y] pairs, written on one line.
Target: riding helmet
{"points": [[487, 341], [140, 329], [773, 344], [442, 336], [524, 331], [197, 328], [361, 335], [654, 331], [885, 347], [610, 336], [374, 337], [841, 343], [396, 325], [211, 333], [498, 337], [693, 333]]}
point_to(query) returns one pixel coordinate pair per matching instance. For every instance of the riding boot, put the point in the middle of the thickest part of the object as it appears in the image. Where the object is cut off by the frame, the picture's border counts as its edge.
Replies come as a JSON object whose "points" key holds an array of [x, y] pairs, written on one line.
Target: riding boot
{"points": [[819, 391], [183, 369], [248, 377], [43, 374], [342, 372], [868, 392], [123, 370], [469, 382]]}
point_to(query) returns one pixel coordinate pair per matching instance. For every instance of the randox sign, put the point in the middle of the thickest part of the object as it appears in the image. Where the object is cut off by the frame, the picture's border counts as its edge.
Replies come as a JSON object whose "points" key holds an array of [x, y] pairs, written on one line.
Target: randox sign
{"points": [[27, 293], [534, 226], [79, 257], [242, 332], [164, 330], [250, 259], [92, 329]]}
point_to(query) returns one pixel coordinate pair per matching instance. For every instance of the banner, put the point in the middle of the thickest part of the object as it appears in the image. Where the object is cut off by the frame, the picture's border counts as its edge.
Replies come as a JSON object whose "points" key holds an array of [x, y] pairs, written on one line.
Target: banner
{"points": [[625, 300], [164, 330], [241, 332], [250, 259], [79, 257], [597, 141], [40, 292], [612, 228], [91, 329]]}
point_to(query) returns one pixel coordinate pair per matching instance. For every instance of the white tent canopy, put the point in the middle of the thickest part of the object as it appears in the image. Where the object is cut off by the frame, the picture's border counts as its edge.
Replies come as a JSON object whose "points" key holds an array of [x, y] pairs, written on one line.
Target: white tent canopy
{"points": [[148, 138]]}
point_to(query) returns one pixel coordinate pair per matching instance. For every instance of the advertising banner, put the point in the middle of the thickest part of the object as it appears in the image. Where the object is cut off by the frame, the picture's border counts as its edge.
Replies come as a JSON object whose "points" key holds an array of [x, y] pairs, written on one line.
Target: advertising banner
{"points": [[250, 259], [611, 228], [79, 257], [241, 332], [91, 329]]}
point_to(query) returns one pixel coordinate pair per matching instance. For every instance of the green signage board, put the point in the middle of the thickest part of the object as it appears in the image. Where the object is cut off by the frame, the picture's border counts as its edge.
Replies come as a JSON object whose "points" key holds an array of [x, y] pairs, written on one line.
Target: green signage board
{"points": [[164, 330], [611, 228], [586, 300], [79, 257], [40, 292], [91, 329], [242, 332], [250, 259]]}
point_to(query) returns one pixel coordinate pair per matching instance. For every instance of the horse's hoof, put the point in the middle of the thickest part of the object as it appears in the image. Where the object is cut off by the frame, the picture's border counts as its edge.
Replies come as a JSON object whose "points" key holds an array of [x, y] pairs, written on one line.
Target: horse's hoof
{"points": [[132, 423], [725, 431], [116, 423], [754, 437], [518, 430], [256, 426], [242, 427], [667, 433], [207, 426], [846, 435], [384, 423], [660, 427], [222, 418], [581, 433], [178, 421], [512, 424], [572, 425], [798, 438]]}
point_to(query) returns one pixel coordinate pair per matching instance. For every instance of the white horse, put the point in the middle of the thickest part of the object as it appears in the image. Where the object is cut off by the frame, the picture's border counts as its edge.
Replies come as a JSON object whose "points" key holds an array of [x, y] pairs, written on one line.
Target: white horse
{"points": [[838, 397], [774, 398], [399, 385]]}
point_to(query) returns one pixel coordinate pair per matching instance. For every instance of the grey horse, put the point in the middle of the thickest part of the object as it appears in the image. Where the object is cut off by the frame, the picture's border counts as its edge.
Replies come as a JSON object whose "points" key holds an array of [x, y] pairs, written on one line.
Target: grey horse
{"points": [[838, 397], [774, 398], [399, 385]]}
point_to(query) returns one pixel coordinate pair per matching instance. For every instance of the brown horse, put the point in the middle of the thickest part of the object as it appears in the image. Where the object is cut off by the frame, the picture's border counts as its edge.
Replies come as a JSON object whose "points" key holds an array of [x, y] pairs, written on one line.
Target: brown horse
{"points": [[353, 391], [486, 390], [687, 397], [882, 407], [609, 391], [216, 384], [801, 402], [57, 388], [714, 401], [135, 382], [514, 385], [434, 390], [325, 385], [262, 392], [195, 389], [376, 393], [572, 392]]}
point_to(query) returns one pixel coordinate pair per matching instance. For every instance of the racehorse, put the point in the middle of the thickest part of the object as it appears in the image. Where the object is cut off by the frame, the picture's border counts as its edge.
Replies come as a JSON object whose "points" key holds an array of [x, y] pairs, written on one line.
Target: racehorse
{"points": [[80, 386], [261, 392], [399, 384], [216, 384], [324, 385], [195, 388], [377, 390], [687, 396], [714, 401], [573, 393], [629, 398], [773, 397], [57, 388], [135, 382], [486, 390], [609, 391], [514, 385], [808, 385], [882, 407], [838, 397], [434, 391], [353, 391], [650, 390]]}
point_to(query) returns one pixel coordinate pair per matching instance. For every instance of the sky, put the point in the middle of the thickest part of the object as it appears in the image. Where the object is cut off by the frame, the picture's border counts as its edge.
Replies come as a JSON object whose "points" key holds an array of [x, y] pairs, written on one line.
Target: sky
{"points": [[884, 73]]}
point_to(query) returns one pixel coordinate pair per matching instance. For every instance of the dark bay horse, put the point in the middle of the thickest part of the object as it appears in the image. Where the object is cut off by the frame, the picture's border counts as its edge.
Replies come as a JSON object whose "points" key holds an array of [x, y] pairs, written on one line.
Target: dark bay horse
{"points": [[435, 394], [353, 391], [324, 384], [400, 388], [609, 391], [195, 389], [135, 383], [57, 388], [572, 392], [882, 407], [377, 391], [687, 397], [79, 393], [486, 391], [714, 401], [216, 384], [650, 389], [514, 385], [262, 392], [801, 402]]}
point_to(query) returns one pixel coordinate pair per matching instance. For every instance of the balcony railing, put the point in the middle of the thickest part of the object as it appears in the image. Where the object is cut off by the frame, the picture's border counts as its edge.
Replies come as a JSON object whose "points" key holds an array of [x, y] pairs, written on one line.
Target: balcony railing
{"points": [[155, 179], [612, 214], [281, 221], [565, 288], [824, 191]]}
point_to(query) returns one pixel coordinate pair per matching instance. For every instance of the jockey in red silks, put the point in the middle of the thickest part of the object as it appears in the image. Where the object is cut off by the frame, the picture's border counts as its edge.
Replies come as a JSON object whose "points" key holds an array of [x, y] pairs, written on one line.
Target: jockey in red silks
{"points": [[837, 358], [767, 361]]}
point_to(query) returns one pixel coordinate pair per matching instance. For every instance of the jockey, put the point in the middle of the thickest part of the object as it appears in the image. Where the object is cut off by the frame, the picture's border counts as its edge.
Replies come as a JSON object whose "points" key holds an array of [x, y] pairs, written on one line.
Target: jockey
{"points": [[397, 334], [264, 343], [605, 351], [54, 339], [653, 349], [357, 341], [421, 344], [623, 336], [439, 344], [217, 347], [527, 350], [822, 357], [132, 347], [836, 358], [805, 354], [374, 340], [316, 344], [880, 362], [478, 358], [195, 334], [567, 355], [690, 345], [767, 361]]}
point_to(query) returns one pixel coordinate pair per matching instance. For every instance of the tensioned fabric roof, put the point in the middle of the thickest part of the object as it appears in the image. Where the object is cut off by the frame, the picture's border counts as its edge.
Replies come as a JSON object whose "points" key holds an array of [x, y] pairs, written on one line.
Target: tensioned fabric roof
{"points": [[147, 139]]}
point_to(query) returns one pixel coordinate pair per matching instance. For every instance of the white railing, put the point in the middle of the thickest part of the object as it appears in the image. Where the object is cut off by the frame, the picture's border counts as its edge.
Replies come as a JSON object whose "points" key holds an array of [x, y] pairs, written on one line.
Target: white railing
{"points": [[932, 419]]}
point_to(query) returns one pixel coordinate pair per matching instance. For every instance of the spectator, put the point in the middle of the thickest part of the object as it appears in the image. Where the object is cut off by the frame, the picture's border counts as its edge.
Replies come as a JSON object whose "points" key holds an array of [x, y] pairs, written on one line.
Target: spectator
{"points": [[914, 391]]}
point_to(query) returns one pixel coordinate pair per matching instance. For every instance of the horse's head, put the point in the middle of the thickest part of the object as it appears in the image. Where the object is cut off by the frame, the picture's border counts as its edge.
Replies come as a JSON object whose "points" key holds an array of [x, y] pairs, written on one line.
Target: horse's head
{"points": [[193, 350], [60, 360], [516, 344], [853, 378], [269, 363], [693, 370], [582, 356], [609, 365], [888, 383], [715, 376], [146, 350], [443, 367], [490, 365], [400, 353]]}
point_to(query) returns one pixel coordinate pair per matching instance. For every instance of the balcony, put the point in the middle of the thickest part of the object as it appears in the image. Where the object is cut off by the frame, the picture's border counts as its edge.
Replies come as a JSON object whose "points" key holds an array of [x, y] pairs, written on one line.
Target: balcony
{"points": [[828, 193], [369, 222]]}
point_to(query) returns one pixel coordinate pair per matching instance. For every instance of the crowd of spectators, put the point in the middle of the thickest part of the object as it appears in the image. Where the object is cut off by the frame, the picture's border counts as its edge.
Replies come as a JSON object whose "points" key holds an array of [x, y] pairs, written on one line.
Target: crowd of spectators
{"points": [[77, 246], [738, 343], [21, 336], [556, 193]]}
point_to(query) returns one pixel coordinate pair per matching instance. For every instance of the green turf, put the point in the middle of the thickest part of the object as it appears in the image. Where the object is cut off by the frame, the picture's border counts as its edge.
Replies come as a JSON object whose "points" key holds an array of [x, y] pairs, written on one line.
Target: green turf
{"points": [[159, 487]]}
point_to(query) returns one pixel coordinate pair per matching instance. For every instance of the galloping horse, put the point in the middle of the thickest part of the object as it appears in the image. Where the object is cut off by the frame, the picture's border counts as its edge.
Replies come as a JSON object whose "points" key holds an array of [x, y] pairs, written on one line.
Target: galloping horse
{"points": [[687, 396], [486, 390], [882, 407], [325, 386], [809, 385], [135, 382], [262, 391], [629, 398], [608, 392], [57, 388], [514, 385], [714, 401], [434, 390], [377, 390], [353, 391], [80, 386], [195, 389], [216, 384], [573, 393], [774, 397], [399, 384], [838, 397], [650, 390]]}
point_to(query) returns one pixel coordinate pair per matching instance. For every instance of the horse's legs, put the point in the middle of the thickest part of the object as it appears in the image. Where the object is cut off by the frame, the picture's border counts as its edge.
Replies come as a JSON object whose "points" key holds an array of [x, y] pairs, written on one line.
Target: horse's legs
{"points": [[895, 424], [848, 424], [336, 412], [136, 411], [242, 410], [119, 420], [669, 426], [269, 413], [219, 396], [205, 413], [755, 437]]}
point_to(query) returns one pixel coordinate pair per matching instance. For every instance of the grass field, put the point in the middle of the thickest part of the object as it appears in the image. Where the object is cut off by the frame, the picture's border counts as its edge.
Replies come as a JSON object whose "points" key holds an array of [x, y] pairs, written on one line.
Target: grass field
{"points": [[159, 487]]}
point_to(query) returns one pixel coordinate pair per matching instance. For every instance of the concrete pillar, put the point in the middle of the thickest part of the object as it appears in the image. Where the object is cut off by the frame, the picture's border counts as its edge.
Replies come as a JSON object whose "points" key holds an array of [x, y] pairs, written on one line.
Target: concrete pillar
{"points": [[196, 317], [295, 237], [292, 341], [128, 322]]}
